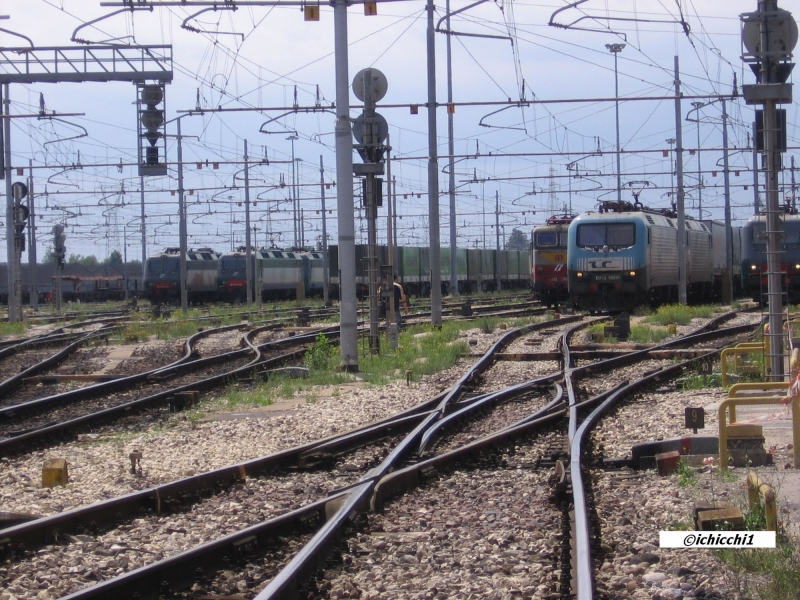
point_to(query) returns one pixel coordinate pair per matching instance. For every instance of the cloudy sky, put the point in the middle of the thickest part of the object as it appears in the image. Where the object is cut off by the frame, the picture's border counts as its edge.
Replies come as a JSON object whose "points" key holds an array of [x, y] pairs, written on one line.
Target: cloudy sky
{"points": [[521, 135]]}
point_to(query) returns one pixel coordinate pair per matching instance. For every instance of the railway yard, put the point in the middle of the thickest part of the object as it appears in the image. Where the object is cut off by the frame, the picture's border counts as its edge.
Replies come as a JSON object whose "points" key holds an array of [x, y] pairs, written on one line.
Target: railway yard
{"points": [[453, 483]]}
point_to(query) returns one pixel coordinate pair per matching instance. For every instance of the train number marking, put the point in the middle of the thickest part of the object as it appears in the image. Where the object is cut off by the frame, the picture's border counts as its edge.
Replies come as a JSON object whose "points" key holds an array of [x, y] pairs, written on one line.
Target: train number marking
{"points": [[559, 257]]}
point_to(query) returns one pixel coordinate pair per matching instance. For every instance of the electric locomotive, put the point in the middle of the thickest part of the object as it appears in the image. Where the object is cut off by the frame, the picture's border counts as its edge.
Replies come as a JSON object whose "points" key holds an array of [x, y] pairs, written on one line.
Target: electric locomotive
{"points": [[280, 274], [754, 257], [625, 255], [549, 252], [162, 276]]}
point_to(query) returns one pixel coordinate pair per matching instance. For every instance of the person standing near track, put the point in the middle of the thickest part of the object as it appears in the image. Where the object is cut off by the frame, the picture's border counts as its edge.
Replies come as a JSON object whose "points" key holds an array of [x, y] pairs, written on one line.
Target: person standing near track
{"points": [[399, 298]]}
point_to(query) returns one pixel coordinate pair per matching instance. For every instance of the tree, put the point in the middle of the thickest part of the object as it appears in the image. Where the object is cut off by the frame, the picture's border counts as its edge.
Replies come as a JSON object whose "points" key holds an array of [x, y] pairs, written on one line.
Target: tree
{"points": [[518, 240], [115, 258], [86, 261], [49, 258]]}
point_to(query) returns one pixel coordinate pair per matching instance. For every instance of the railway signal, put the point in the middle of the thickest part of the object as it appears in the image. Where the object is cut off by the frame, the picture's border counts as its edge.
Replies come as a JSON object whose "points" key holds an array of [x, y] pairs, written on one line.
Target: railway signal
{"points": [[19, 190], [151, 129], [60, 250], [370, 130], [59, 241]]}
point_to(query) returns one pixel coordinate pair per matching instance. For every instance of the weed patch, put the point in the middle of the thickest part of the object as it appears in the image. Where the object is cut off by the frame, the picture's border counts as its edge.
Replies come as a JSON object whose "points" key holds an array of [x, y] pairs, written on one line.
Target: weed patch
{"points": [[679, 314], [686, 474], [644, 334]]}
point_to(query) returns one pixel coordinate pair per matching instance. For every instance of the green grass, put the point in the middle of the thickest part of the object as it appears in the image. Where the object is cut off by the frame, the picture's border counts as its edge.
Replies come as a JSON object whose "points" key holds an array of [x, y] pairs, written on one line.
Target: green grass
{"points": [[420, 349], [260, 395], [701, 382], [644, 334], [679, 314], [8, 329], [487, 324], [763, 573], [687, 476], [640, 334]]}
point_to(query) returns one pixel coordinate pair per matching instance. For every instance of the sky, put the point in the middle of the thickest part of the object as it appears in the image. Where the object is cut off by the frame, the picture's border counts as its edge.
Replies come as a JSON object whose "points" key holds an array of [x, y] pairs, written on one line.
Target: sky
{"points": [[534, 118]]}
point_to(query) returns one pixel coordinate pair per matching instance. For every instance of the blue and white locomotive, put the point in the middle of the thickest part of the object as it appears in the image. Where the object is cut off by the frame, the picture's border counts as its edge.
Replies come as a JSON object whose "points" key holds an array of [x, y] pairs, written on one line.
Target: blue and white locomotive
{"points": [[625, 255], [754, 257]]}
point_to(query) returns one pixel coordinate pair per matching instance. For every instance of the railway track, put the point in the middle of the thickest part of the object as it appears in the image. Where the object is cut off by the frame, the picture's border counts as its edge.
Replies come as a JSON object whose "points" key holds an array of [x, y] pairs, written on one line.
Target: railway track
{"points": [[523, 408], [48, 419]]}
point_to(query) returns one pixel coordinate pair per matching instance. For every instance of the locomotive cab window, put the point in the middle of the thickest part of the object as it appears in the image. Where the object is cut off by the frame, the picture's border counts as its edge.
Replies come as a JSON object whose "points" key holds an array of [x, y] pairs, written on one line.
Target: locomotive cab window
{"points": [[233, 263], [613, 235], [164, 265], [546, 239], [563, 239]]}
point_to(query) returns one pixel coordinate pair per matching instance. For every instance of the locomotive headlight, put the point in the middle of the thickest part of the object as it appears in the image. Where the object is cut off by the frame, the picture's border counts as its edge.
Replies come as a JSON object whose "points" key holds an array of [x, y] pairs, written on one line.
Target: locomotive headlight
{"points": [[579, 274], [797, 266], [633, 273], [753, 267]]}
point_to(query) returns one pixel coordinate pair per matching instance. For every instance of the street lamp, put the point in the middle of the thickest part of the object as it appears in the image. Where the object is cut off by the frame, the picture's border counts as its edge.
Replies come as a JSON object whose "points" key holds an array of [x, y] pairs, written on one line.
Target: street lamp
{"points": [[697, 106], [616, 49]]}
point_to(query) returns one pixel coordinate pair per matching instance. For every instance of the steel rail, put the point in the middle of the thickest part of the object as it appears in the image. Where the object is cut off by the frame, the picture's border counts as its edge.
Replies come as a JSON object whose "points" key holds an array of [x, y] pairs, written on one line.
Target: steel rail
{"points": [[181, 570], [17, 443], [11, 347], [306, 562], [15, 381], [52, 528], [179, 367], [287, 583], [326, 536], [413, 475], [488, 358], [584, 574], [485, 401]]}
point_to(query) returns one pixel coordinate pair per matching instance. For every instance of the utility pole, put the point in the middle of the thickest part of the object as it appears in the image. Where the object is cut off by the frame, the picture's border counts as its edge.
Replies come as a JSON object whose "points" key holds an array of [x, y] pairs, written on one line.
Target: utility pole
{"points": [[248, 250], [497, 235], [125, 259], [681, 208], [33, 284], [344, 196], [325, 274], [671, 142], [390, 238], [452, 163], [293, 196], [433, 176], [727, 294], [11, 250], [769, 36], [144, 229], [182, 242], [697, 106], [756, 203]]}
